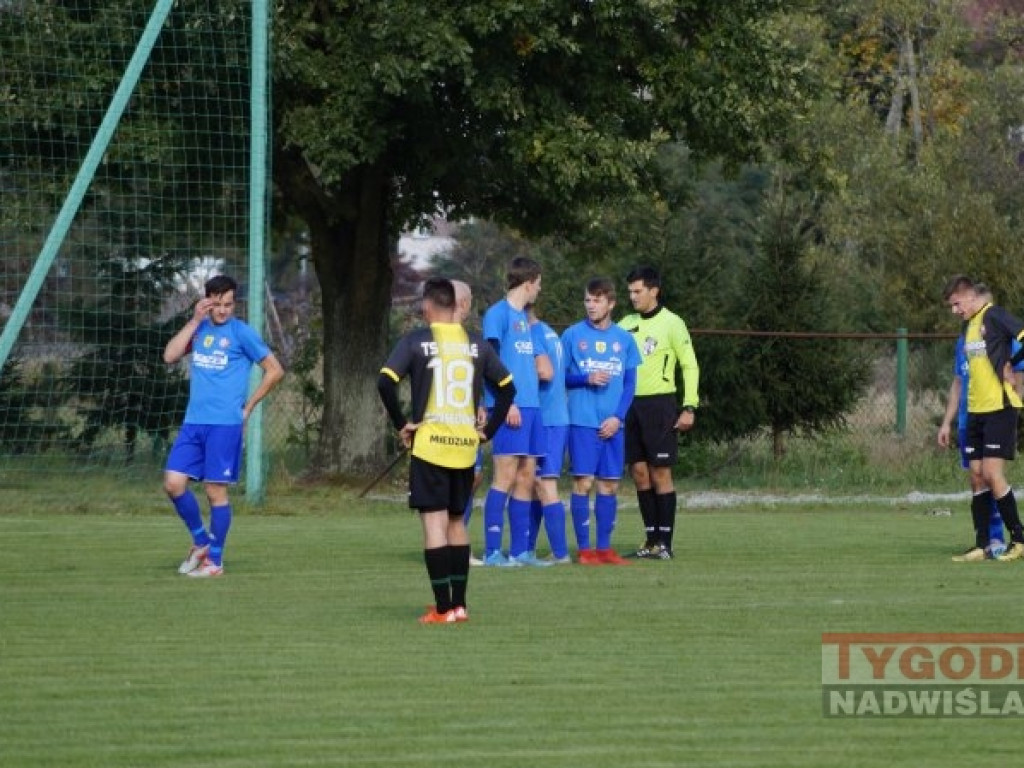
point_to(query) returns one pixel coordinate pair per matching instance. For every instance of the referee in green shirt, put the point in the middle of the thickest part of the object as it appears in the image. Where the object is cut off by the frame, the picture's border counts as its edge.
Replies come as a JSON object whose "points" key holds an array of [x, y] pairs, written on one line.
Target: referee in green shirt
{"points": [[655, 415]]}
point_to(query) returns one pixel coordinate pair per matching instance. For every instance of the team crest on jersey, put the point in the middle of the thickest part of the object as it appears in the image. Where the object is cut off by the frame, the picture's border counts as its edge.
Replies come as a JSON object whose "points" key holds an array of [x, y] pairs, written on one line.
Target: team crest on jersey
{"points": [[601, 347], [650, 344], [208, 341], [520, 326]]}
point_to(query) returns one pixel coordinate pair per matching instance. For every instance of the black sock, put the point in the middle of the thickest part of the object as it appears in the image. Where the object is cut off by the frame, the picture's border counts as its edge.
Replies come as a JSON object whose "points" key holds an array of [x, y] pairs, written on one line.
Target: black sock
{"points": [[649, 514], [460, 574], [439, 570], [666, 505], [1011, 518], [981, 510]]}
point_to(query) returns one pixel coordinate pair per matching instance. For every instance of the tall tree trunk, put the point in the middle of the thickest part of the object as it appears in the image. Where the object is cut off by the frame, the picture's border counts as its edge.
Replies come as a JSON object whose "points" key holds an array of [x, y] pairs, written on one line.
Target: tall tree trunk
{"points": [[350, 246], [910, 59]]}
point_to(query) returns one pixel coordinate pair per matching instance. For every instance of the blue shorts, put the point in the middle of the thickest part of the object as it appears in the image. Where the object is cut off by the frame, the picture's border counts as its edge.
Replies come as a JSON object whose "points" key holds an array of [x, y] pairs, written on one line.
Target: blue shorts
{"points": [[590, 456], [211, 453], [555, 441], [525, 440]]}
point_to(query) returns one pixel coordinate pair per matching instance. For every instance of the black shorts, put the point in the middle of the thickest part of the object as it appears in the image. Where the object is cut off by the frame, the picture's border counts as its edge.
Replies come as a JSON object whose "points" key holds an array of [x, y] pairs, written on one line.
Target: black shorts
{"points": [[433, 488], [650, 431], [992, 435]]}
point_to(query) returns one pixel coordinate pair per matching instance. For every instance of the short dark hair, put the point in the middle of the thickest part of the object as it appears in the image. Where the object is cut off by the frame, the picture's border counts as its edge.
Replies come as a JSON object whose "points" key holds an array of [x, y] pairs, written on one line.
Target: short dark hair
{"points": [[957, 283], [521, 270], [218, 285], [649, 275], [601, 286], [440, 292]]}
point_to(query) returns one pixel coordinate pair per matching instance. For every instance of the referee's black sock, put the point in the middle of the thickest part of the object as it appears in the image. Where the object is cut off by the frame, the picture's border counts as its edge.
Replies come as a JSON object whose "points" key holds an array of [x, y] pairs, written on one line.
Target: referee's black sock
{"points": [[649, 514], [459, 574], [981, 510], [439, 570], [666, 505], [1011, 518]]}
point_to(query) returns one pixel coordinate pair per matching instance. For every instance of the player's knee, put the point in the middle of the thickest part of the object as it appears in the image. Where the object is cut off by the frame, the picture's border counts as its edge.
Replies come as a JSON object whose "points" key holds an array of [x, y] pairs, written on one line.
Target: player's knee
{"points": [[174, 485]]}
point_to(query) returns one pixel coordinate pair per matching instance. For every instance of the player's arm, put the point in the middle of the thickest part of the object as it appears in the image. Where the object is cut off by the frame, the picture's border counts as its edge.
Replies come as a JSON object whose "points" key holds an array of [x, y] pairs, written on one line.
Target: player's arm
{"points": [[541, 359], [387, 388], [952, 406], [504, 391], [387, 383], [273, 372], [181, 343]]}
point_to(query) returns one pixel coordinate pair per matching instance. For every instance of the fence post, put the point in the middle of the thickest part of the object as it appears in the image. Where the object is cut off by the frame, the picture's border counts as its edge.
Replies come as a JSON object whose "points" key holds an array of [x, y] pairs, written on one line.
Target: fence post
{"points": [[901, 381]]}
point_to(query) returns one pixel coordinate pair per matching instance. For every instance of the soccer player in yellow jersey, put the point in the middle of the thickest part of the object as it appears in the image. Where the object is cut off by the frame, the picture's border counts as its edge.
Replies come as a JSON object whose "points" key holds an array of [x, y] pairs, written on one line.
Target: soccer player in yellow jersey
{"points": [[655, 417], [992, 405], [446, 367]]}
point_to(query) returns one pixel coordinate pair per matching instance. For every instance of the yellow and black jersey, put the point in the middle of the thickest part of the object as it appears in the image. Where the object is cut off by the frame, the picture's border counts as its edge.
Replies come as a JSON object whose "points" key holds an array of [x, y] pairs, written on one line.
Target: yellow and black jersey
{"points": [[988, 341], [446, 367]]}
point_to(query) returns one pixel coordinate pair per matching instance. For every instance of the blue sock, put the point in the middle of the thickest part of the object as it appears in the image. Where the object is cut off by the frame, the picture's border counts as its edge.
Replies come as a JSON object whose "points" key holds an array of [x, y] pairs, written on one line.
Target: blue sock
{"points": [[220, 523], [554, 524], [536, 518], [494, 519], [518, 526], [467, 513], [605, 509], [579, 508], [995, 524], [187, 508]]}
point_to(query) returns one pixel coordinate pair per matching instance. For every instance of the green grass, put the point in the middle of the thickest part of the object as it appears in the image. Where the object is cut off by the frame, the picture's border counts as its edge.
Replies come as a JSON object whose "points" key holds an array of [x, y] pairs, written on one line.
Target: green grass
{"points": [[308, 653]]}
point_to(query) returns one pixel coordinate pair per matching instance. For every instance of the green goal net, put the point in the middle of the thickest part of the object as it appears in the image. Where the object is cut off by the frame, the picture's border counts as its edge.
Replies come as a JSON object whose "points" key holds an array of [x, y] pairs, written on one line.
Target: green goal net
{"points": [[126, 180]]}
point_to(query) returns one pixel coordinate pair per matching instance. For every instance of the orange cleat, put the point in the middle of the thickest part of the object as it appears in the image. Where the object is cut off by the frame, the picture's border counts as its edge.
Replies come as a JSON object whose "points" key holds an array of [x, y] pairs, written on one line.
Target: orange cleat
{"points": [[588, 557], [433, 617], [611, 557]]}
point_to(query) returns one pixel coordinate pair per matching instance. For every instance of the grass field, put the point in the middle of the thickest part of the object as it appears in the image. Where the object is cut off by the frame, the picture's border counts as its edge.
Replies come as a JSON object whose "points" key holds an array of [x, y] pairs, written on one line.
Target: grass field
{"points": [[307, 653]]}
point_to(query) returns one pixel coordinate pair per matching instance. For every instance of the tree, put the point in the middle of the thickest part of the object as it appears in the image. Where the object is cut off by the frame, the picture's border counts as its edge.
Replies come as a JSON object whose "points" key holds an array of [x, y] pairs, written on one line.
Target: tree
{"points": [[516, 112], [803, 386]]}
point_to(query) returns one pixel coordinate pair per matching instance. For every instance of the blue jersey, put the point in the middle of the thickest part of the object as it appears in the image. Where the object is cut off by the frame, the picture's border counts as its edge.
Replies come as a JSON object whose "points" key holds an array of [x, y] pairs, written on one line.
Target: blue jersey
{"points": [[220, 359], [960, 368], [554, 408], [611, 350], [510, 327]]}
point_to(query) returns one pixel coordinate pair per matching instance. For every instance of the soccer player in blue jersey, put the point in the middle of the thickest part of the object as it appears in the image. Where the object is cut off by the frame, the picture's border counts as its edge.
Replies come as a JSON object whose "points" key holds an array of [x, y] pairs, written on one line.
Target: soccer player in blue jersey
{"points": [[446, 367], [956, 408], [221, 351], [601, 363], [518, 442], [547, 508]]}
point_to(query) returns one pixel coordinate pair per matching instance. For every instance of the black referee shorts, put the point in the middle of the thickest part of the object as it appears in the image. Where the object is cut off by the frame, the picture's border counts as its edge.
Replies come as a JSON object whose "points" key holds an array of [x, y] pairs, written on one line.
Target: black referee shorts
{"points": [[650, 434]]}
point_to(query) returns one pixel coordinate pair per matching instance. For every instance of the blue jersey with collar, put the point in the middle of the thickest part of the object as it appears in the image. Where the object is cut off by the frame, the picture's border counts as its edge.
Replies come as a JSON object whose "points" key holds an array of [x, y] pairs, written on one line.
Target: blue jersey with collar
{"points": [[220, 359], [510, 327], [554, 407], [962, 369], [611, 350]]}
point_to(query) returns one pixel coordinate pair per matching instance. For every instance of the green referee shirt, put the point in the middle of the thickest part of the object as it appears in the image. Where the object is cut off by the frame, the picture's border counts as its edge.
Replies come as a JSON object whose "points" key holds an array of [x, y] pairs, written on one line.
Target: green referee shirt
{"points": [[664, 342]]}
